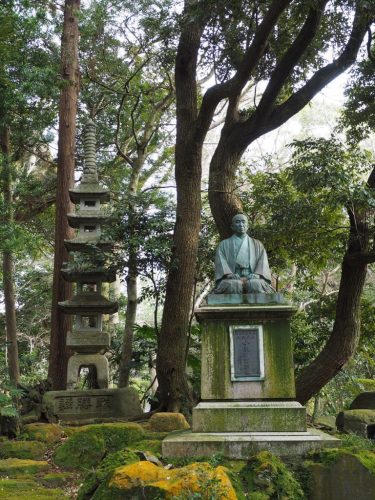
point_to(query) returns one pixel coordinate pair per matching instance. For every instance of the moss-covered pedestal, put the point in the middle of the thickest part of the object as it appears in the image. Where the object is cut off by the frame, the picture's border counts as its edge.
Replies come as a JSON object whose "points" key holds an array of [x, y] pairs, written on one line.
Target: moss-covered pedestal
{"points": [[247, 386]]}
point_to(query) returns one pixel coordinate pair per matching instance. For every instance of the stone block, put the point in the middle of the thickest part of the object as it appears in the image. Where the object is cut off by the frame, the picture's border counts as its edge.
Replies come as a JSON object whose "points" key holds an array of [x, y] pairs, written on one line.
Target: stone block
{"points": [[364, 401], [360, 422], [86, 341], [243, 445], [238, 416], [216, 383], [92, 405], [245, 298], [346, 478], [168, 422]]}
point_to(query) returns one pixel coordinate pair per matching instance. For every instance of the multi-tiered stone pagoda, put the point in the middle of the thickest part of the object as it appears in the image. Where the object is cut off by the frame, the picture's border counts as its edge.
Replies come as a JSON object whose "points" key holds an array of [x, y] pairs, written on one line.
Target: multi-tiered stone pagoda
{"points": [[89, 271], [88, 340]]}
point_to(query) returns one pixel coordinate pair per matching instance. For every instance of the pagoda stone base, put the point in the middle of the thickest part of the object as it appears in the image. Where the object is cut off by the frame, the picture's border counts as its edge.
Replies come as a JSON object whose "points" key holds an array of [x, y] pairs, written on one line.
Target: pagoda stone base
{"points": [[91, 406], [243, 445], [249, 416]]}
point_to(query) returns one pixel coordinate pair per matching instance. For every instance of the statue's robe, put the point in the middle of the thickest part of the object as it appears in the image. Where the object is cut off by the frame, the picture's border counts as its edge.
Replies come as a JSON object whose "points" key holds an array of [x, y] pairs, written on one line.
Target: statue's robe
{"points": [[244, 256]]}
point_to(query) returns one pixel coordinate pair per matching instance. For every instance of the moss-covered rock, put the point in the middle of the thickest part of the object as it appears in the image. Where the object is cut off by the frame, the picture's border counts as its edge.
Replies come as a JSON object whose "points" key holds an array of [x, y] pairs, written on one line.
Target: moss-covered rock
{"points": [[330, 456], [266, 476], [86, 447], [12, 489], [106, 466], [340, 473], [356, 421], [364, 401], [17, 466], [146, 480], [81, 451], [33, 450], [47, 433], [168, 422]]}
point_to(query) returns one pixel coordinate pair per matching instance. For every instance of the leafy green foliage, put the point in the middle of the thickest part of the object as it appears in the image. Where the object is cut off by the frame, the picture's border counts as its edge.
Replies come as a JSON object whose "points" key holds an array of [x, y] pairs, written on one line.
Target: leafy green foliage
{"points": [[8, 398], [358, 116], [299, 213]]}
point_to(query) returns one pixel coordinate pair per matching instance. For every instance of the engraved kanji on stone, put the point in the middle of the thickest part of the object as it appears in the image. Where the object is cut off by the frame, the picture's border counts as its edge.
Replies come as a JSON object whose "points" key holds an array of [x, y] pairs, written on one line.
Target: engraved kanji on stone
{"points": [[104, 402], [65, 404], [84, 403]]}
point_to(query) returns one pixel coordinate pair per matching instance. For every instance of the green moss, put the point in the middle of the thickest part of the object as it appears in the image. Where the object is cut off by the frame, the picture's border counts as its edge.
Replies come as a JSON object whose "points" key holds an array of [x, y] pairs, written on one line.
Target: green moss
{"points": [[48, 433], [266, 475], [354, 442], [367, 383], [107, 465], [88, 445], [150, 445], [149, 434], [329, 456], [33, 450], [16, 466], [367, 459], [56, 479], [237, 484], [278, 360], [119, 435], [16, 489], [217, 345], [81, 451]]}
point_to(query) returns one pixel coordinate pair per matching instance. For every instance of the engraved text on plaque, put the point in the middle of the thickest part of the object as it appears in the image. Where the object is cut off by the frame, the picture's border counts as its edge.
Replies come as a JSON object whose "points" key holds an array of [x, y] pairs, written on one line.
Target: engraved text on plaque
{"points": [[246, 352]]}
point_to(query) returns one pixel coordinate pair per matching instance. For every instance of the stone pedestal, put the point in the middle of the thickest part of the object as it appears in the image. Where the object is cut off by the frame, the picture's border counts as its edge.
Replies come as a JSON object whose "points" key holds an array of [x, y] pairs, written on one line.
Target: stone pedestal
{"points": [[92, 405], [247, 384]]}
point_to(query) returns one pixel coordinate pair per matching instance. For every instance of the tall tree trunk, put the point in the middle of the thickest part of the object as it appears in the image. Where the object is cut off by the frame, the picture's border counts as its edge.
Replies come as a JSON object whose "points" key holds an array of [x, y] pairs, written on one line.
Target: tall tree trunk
{"points": [[8, 266], [60, 323], [131, 279], [131, 315], [171, 355], [222, 193]]}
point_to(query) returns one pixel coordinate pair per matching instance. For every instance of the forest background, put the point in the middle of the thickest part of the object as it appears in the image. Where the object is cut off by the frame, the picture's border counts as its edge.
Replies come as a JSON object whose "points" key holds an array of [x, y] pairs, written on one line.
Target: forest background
{"points": [[173, 87]]}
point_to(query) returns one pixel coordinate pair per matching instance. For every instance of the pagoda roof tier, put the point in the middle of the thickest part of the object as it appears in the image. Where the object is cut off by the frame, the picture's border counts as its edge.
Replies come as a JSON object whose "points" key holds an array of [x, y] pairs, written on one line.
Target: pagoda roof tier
{"points": [[107, 276], [86, 244], [89, 302], [89, 190], [87, 217]]}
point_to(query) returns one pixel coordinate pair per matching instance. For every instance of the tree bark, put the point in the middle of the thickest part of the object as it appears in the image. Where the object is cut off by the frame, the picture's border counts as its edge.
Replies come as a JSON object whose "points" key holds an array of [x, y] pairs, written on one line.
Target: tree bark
{"points": [[61, 323], [222, 193], [8, 266], [171, 360]]}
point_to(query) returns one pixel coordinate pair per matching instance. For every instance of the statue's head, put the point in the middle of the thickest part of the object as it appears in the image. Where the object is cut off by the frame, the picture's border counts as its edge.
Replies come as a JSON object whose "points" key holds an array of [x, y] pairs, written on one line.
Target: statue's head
{"points": [[239, 224]]}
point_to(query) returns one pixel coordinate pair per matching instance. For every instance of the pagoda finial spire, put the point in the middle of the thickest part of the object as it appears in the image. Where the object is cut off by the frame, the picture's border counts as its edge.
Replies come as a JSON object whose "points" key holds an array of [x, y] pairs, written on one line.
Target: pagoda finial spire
{"points": [[90, 173]]}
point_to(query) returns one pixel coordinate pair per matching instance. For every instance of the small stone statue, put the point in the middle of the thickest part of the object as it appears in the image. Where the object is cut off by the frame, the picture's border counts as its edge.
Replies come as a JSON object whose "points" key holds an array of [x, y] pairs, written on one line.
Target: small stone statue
{"points": [[241, 264]]}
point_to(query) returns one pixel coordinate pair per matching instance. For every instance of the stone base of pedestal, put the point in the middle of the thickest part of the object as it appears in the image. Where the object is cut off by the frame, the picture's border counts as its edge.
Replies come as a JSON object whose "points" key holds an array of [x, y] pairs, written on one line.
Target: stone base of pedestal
{"points": [[91, 406], [249, 416], [244, 445]]}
